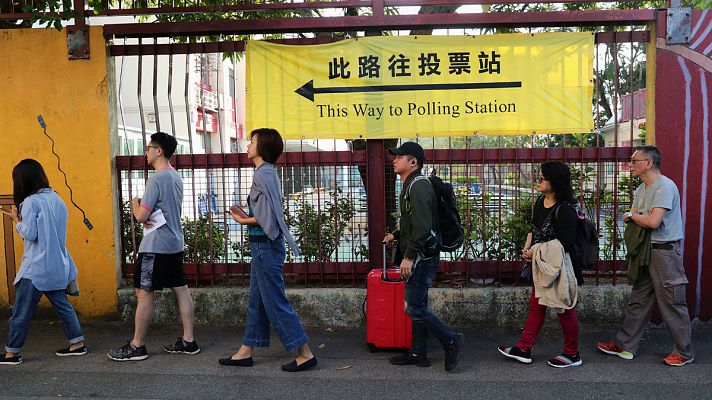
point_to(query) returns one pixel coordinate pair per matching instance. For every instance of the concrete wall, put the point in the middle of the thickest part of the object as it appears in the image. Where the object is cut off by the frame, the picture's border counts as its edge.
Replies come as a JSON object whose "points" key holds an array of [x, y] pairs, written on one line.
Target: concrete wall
{"points": [[36, 77], [325, 307]]}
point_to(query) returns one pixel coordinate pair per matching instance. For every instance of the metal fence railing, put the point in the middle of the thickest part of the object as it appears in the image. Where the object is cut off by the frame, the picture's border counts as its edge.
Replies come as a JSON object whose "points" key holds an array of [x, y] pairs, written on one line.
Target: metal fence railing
{"points": [[338, 202], [327, 208]]}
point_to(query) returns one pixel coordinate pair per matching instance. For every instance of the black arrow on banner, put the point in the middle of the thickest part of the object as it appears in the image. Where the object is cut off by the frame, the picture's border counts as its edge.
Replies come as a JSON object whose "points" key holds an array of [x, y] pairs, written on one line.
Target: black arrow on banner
{"points": [[308, 90]]}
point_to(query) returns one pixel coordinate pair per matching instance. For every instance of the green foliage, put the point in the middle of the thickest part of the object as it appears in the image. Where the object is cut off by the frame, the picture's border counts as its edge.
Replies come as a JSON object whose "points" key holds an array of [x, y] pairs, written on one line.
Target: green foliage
{"points": [[241, 249], [194, 251], [612, 233], [491, 234], [479, 230], [494, 234], [515, 228], [610, 247], [644, 129], [463, 179], [319, 232], [200, 235], [39, 9], [625, 186], [361, 252], [127, 220]]}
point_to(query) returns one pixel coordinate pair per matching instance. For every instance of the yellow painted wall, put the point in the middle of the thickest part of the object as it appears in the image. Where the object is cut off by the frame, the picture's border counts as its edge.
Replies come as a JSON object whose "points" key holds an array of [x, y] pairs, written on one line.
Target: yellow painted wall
{"points": [[36, 77]]}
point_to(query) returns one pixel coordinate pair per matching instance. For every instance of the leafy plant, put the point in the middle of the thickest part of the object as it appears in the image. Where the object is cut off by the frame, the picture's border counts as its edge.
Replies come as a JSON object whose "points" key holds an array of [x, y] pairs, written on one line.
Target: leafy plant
{"points": [[318, 233], [195, 251], [202, 245], [361, 252], [515, 228], [127, 220], [627, 185], [479, 230], [643, 131], [611, 248], [241, 249]]}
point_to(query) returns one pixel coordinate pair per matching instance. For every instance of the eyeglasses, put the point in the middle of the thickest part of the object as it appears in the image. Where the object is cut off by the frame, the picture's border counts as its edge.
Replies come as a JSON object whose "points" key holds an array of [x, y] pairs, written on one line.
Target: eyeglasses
{"points": [[633, 160], [148, 147], [540, 179]]}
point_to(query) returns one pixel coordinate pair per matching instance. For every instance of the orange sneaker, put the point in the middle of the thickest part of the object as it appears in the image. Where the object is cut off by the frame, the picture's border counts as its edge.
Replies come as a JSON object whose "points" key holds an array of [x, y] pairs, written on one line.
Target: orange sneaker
{"points": [[612, 348], [677, 360]]}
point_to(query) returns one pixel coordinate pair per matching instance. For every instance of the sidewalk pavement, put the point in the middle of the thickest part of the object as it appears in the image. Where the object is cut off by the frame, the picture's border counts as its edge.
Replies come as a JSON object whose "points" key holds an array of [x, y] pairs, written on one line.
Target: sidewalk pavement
{"points": [[347, 370]]}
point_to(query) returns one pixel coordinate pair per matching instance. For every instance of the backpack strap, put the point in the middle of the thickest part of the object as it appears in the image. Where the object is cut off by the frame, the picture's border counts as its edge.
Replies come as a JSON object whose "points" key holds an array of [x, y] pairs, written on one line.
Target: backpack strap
{"points": [[407, 192], [556, 211]]}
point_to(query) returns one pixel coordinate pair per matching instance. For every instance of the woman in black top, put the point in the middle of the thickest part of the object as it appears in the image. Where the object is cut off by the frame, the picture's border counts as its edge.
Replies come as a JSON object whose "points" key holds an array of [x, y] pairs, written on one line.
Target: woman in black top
{"points": [[554, 217]]}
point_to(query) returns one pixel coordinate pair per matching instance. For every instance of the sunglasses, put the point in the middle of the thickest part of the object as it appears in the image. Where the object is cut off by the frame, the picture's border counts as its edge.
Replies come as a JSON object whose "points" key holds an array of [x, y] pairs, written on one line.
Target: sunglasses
{"points": [[540, 179]]}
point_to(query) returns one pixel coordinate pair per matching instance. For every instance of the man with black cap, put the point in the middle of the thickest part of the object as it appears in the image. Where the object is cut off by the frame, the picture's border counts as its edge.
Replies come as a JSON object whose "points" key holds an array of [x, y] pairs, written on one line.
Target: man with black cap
{"points": [[417, 244]]}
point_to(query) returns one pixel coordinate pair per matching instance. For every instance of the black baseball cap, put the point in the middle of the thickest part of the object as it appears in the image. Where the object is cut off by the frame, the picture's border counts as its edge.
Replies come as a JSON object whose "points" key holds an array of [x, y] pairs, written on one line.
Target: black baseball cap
{"points": [[410, 149]]}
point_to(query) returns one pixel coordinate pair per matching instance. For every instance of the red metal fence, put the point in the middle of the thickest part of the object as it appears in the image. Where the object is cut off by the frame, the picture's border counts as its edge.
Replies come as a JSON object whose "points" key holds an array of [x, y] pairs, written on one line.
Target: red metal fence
{"points": [[338, 201], [493, 187]]}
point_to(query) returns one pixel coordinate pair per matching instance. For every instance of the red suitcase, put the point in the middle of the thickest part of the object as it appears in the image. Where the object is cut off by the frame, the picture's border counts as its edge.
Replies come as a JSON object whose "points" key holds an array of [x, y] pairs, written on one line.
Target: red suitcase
{"points": [[387, 324]]}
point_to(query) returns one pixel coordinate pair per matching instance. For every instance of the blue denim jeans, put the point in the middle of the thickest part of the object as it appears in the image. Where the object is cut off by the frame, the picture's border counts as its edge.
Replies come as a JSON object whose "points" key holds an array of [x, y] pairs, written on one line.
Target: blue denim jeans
{"points": [[267, 303], [416, 298], [26, 299]]}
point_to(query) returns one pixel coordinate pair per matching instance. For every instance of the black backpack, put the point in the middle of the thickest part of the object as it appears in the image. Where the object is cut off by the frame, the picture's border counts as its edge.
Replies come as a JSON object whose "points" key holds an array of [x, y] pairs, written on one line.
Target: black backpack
{"points": [[449, 235], [586, 239]]}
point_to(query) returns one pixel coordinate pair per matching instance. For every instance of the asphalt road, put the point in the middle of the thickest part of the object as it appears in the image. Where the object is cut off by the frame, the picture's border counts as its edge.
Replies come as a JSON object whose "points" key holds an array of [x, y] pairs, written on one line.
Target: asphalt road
{"points": [[347, 370]]}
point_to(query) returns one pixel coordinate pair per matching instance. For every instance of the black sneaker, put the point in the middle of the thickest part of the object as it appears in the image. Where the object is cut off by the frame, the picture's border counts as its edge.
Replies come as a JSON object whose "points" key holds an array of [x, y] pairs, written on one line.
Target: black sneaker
{"points": [[516, 353], [564, 361], [409, 358], [181, 346], [10, 360], [76, 352], [453, 351], [128, 352]]}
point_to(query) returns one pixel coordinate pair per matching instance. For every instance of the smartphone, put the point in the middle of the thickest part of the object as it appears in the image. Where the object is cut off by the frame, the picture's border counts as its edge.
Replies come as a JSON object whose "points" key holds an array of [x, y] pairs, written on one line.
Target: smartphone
{"points": [[238, 210]]}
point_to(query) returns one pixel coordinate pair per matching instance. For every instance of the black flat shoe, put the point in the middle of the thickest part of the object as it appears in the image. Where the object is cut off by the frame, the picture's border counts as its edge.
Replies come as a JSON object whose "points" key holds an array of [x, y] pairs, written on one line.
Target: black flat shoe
{"points": [[243, 362], [293, 367]]}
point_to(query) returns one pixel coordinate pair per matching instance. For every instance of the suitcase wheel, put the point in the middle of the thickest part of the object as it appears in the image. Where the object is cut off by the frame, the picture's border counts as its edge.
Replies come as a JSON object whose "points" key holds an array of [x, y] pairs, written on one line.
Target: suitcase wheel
{"points": [[372, 347]]}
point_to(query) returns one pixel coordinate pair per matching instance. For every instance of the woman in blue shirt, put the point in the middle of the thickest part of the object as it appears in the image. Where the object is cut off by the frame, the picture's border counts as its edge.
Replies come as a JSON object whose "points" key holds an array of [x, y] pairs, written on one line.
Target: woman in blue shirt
{"points": [[46, 267], [267, 303]]}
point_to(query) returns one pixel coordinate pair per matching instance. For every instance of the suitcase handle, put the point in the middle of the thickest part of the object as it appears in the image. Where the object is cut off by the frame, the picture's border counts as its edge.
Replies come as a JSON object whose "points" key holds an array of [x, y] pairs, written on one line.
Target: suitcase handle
{"points": [[384, 275]]}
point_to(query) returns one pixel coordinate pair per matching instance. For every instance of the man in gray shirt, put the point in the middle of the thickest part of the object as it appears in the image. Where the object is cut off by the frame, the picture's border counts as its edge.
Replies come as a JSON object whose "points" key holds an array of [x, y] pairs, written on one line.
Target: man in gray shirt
{"points": [[160, 260], [656, 206]]}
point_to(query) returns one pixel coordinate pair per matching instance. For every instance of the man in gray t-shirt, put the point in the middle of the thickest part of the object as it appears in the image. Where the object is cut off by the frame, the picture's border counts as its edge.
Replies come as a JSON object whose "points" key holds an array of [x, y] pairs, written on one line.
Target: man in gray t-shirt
{"points": [[164, 193], [661, 194], [656, 206], [160, 260]]}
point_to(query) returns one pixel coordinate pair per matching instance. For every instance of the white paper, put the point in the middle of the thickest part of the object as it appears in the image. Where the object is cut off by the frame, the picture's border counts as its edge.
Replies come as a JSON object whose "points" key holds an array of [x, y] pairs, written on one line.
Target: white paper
{"points": [[157, 220]]}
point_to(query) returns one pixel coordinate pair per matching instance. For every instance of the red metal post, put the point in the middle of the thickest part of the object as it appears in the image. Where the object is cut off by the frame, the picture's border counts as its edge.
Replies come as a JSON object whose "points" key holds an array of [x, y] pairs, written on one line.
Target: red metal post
{"points": [[385, 22]]}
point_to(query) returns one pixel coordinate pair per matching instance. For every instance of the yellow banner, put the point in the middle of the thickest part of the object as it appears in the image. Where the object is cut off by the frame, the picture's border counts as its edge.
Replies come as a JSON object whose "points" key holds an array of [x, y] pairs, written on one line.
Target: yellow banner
{"points": [[408, 86]]}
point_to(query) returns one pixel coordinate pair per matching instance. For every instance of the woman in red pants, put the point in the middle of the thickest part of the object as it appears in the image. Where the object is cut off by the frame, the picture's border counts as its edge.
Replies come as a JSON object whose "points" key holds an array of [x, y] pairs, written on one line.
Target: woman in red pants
{"points": [[554, 217]]}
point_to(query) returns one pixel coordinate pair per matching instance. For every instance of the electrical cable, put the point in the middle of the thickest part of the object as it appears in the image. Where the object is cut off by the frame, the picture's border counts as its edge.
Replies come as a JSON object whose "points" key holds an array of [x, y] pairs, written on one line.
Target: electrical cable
{"points": [[71, 197]]}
